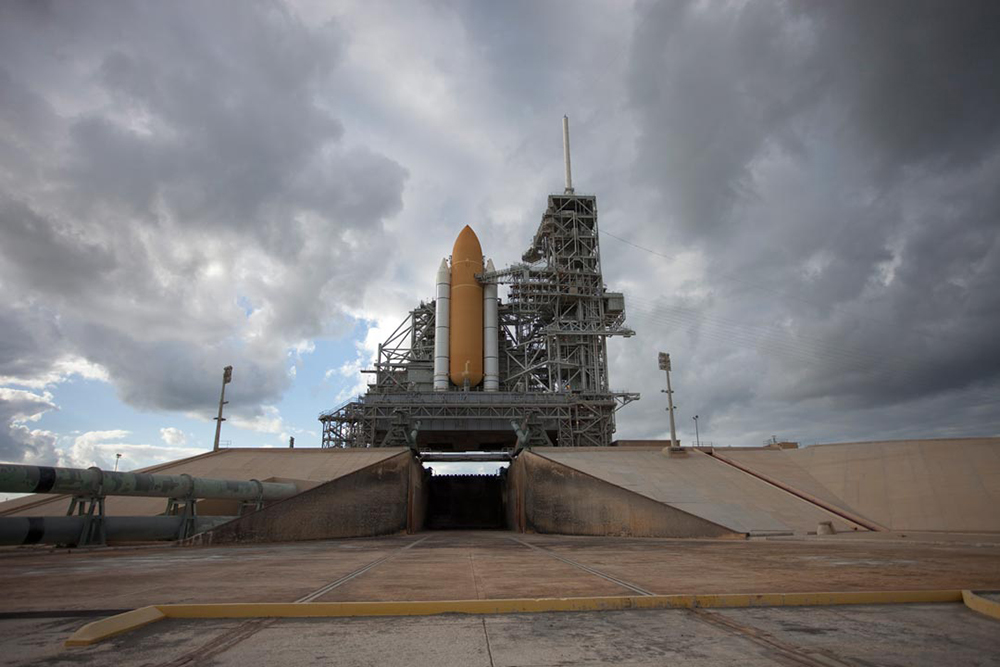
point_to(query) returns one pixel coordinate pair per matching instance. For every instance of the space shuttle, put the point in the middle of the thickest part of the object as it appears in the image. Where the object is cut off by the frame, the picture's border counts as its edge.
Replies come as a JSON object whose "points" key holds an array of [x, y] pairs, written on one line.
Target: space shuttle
{"points": [[466, 320]]}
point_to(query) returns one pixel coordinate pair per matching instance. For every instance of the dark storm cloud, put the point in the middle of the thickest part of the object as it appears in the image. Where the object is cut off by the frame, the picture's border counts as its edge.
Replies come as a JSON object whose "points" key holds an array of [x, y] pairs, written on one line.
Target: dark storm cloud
{"points": [[46, 257], [914, 76], [182, 185], [160, 163], [836, 164], [30, 336], [176, 375], [529, 67], [901, 83]]}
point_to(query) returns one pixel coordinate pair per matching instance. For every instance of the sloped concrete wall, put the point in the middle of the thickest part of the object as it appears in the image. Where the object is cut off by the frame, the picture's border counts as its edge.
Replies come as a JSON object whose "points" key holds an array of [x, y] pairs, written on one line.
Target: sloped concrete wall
{"points": [[699, 485], [950, 485], [374, 500], [513, 499], [548, 497], [419, 497]]}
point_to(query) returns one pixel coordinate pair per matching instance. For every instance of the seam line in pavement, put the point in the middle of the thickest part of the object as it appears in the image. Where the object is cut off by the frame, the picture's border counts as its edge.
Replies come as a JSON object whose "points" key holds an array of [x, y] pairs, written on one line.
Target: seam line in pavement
{"points": [[323, 590], [475, 577], [783, 651], [586, 568]]}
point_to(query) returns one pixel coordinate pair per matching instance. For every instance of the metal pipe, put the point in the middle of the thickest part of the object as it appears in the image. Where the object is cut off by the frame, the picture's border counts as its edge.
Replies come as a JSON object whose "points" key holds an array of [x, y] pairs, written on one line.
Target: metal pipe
{"points": [[97, 482], [491, 353], [569, 173], [434, 457], [442, 311], [67, 529]]}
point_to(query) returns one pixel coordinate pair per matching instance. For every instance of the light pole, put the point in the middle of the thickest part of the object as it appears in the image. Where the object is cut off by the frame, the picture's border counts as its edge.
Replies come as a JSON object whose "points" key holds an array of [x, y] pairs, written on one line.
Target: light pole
{"points": [[664, 359], [117, 456], [696, 436], [227, 377]]}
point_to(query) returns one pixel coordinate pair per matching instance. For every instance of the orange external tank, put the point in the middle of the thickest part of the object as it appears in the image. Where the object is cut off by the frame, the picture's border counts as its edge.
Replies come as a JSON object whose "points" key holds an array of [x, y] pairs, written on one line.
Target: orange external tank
{"points": [[466, 317]]}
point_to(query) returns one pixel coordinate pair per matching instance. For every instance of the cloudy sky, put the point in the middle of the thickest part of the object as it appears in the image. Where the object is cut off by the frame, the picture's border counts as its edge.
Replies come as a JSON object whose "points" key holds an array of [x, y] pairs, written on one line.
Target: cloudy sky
{"points": [[799, 199]]}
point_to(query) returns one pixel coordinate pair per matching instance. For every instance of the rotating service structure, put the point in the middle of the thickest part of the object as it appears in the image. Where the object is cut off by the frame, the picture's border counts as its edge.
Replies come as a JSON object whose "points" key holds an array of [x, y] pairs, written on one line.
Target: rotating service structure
{"points": [[471, 371]]}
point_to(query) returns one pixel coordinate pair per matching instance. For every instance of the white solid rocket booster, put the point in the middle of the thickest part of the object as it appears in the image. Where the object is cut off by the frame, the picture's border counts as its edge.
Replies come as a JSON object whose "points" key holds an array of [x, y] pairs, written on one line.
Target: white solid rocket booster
{"points": [[441, 318], [491, 366]]}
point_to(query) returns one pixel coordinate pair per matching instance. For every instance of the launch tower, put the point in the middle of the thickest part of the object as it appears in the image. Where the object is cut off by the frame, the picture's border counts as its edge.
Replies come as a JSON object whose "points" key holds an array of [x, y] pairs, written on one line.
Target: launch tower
{"points": [[469, 372]]}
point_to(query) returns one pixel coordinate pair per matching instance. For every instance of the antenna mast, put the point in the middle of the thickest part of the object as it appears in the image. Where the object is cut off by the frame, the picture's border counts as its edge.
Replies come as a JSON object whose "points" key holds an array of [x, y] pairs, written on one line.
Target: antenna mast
{"points": [[569, 173]]}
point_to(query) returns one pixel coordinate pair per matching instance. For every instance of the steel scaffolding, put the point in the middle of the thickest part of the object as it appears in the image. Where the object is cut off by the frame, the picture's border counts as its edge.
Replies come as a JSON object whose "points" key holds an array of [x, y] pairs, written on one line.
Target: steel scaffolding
{"points": [[554, 386]]}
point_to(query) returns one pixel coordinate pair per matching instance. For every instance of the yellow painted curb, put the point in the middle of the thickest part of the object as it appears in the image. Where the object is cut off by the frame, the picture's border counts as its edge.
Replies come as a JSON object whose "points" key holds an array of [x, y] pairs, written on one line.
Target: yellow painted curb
{"points": [[983, 605], [532, 605], [115, 625]]}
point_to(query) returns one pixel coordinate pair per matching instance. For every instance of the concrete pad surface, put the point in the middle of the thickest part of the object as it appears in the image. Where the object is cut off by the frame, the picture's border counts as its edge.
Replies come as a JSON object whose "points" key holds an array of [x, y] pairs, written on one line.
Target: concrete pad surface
{"points": [[891, 635], [713, 566], [120, 578], [914, 634], [473, 566], [25, 642], [468, 565]]}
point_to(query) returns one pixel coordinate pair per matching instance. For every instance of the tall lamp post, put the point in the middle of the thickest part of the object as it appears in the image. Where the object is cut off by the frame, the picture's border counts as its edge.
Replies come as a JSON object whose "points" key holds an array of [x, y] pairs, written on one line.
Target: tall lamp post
{"points": [[696, 436], [227, 377], [664, 359]]}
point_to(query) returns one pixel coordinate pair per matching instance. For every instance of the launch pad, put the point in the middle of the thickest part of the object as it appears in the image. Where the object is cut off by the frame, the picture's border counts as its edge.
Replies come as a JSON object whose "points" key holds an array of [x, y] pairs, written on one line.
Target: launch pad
{"points": [[457, 570], [469, 371], [510, 366]]}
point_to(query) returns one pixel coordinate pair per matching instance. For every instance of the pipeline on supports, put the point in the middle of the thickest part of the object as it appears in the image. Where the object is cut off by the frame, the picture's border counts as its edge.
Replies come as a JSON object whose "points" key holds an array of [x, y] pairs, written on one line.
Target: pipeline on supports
{"points": [[86, 522], [97, 482], [17, 530]]}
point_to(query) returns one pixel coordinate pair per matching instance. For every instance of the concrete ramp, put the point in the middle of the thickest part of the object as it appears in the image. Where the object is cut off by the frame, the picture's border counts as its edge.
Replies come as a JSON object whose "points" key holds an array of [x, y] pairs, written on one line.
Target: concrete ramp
{"points": [[384, 497], [306, 468], [935, 485], [700, 486], [545, 496], [777, 465]]}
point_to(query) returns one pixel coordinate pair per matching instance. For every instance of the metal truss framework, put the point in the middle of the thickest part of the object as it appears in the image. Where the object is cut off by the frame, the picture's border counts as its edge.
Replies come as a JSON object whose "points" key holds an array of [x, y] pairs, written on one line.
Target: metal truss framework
{"points": [[553, 336]]}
